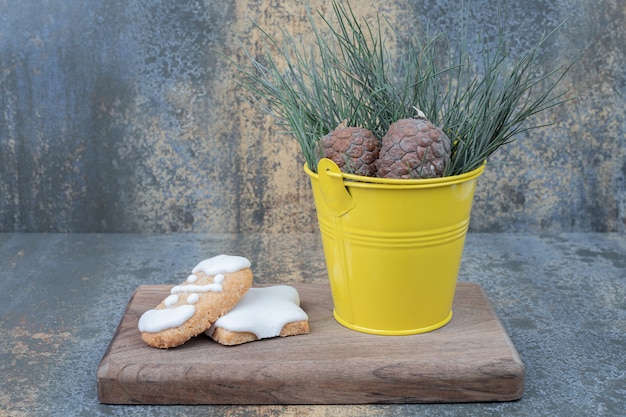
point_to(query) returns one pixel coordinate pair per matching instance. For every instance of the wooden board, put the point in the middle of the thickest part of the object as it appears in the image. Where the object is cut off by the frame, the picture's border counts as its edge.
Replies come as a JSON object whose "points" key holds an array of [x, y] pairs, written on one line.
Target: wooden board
{"points": [[470, 359]]}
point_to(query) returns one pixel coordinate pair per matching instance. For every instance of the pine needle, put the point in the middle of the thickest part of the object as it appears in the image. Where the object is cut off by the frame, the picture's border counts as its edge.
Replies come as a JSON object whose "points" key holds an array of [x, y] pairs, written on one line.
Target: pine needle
{"points": [[349, 74]]}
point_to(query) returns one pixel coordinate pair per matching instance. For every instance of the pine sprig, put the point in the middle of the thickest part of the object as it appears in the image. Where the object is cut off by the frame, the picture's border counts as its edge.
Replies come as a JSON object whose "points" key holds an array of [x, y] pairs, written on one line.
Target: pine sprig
{"points": [[489, 111], [349, 74]]}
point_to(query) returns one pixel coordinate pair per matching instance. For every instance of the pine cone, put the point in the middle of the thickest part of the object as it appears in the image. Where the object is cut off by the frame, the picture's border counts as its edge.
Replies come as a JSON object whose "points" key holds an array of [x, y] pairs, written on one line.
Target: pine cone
{"points": [[354, 149], [413, 148]]}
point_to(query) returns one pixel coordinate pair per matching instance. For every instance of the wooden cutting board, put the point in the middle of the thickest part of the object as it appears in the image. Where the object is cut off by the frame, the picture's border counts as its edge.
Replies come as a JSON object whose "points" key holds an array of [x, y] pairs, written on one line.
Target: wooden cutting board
{"points": [[470, 359]]}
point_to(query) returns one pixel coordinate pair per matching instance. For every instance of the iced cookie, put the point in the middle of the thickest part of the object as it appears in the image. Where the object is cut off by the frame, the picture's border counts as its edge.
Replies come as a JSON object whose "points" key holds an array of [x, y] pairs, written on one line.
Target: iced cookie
{"points": [[262, 313], [214, 287]]}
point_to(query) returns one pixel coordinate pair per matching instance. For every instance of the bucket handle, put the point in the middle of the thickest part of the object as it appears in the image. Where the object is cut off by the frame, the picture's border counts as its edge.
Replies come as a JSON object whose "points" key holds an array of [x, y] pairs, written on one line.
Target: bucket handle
{"points": [[336, 195]]}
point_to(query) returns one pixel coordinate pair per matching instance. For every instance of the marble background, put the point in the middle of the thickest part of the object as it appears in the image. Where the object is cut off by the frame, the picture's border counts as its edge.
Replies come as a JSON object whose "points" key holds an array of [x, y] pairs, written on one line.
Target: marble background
{"points": [[119, 116]]}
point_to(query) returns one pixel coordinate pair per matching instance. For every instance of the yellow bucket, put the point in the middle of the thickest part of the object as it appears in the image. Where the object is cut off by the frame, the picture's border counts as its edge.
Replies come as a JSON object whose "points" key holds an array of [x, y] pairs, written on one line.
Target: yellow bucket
{"points": [[393, 247]]}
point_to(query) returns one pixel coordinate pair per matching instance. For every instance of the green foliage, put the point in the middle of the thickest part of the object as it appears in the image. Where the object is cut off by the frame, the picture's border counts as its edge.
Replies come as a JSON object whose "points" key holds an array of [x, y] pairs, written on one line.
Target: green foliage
{"points": [[349, 74]]}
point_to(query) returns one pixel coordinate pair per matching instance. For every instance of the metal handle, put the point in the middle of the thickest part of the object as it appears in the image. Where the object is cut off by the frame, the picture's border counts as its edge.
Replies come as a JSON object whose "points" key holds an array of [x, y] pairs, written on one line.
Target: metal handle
{"points": [[336, 195]]}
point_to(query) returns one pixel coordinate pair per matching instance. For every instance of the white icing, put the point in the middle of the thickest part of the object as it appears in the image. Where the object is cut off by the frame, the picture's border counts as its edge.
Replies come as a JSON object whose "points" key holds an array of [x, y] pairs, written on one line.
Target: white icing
{"points": [[170, 300], [222, 264], [159, 320], [215, 287], [263, 311]]}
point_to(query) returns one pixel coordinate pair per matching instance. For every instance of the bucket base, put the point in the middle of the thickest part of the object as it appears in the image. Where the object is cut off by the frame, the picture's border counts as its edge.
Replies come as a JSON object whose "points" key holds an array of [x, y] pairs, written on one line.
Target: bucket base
{"points": [[392, 332]]}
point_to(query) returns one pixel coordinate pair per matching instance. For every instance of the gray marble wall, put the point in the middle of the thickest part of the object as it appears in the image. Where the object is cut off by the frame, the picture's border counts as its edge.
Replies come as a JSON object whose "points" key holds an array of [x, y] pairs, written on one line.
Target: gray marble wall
{"points": [[118, 116]]}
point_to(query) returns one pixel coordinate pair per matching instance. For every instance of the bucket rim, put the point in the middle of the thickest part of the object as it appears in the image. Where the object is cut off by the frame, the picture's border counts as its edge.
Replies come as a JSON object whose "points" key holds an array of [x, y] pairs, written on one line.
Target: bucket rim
{"points": [[360, 181]]}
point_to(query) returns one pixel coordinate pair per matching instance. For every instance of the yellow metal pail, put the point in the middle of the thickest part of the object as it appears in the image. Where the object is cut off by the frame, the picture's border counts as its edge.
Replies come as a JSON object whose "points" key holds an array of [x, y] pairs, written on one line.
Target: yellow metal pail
{"points": [[393, 247]]}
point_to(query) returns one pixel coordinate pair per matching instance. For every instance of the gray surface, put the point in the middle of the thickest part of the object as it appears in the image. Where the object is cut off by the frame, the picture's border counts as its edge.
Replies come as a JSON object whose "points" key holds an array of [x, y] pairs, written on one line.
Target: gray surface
{"points": [[560, 297], [118, 116]]}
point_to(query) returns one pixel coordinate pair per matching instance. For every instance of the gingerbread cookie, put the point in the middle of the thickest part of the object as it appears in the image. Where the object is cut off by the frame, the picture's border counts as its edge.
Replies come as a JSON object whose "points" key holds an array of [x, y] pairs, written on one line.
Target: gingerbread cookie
{"points": [[262, 313], [213, 288]]}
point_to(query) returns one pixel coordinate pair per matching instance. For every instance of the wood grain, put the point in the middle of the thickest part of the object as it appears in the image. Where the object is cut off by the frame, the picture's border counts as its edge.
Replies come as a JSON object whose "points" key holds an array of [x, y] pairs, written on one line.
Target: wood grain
{"points": [[470, 359]]}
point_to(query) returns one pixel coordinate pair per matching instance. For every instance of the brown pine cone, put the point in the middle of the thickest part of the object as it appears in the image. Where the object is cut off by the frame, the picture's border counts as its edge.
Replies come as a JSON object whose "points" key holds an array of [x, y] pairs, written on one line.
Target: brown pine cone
{"points": [[413, 148], [354, 149]]}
